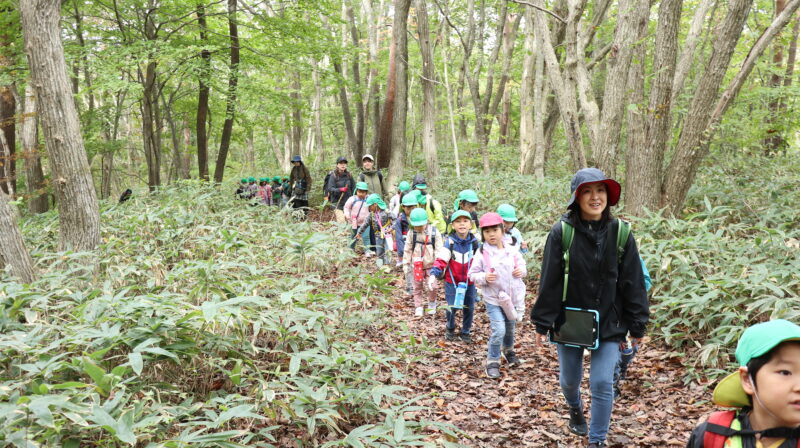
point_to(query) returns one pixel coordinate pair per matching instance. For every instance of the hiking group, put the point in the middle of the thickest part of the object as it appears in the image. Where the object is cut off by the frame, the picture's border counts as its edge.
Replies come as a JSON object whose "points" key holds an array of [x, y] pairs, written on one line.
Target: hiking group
{"points": [[592, 296], [279, 191]]}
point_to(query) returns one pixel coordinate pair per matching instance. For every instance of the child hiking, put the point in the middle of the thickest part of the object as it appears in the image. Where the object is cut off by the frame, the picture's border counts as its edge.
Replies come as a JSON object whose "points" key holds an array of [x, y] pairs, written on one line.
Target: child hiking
{"points": [[765, 390], [498, 269], [513, 235], [397, 199], [356, 212], [264, 191], [585, 274], [379, 226], [401, 229], [418, 255], [452, 264], [467, 201]]}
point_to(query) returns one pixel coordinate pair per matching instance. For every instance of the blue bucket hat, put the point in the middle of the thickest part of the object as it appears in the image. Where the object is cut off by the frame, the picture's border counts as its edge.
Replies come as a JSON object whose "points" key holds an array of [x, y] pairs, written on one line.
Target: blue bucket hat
{"points": [[590, 176], [297, 159]]}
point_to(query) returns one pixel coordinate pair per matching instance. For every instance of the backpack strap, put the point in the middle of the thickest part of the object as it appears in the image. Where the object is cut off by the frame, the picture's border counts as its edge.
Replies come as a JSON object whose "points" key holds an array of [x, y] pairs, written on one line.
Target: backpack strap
{"points": [[718, 429], [623, 231], [567, 235]]}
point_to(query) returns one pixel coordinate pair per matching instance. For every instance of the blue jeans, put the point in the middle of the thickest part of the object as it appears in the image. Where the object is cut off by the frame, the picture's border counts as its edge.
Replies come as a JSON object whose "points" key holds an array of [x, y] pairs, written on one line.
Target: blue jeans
{"points": [[364, 238], [601, 380], [502, 332], [467, 312]]}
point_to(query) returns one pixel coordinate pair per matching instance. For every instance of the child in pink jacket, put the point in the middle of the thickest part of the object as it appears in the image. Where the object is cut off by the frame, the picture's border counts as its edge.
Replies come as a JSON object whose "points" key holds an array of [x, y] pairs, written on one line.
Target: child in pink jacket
{"points": [[356, 212], [498, 270]]}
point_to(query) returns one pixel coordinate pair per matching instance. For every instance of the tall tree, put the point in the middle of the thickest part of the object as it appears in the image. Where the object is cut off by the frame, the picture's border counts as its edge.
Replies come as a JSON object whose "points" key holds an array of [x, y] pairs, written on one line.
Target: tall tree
{"points": [[400, 39], [428, 92], [34, 176], [12, 248], [203, 93], [72, 181], [233, 81]]}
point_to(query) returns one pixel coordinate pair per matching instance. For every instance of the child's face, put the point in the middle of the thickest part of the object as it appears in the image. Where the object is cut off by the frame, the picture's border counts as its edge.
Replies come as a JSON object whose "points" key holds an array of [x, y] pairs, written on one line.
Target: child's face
{"points": [[373, 208], [407, 209], [361, 194], [778, 388], [493, 235], [419, 229], [468, 206], [462, 225], [508, 225], [592, 198]]}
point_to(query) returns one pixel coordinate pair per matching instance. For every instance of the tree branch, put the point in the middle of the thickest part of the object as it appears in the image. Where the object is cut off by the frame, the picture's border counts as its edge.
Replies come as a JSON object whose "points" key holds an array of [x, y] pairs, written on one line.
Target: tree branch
{"points": [[556, 16]]}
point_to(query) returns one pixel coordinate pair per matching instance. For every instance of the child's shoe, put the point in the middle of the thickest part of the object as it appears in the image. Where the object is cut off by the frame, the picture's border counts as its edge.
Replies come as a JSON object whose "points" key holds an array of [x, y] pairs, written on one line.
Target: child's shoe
{"points": [[450, 335], [418, 312], [577, 423], [465, 338], [511, 358], [432, 308], [493, 369], [597, 445]]}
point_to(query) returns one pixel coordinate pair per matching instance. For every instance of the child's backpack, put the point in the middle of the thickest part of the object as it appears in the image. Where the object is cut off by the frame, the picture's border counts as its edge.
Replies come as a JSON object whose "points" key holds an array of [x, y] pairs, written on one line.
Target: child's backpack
{"points": [[433, 240], [722, 425], [623, 231]]}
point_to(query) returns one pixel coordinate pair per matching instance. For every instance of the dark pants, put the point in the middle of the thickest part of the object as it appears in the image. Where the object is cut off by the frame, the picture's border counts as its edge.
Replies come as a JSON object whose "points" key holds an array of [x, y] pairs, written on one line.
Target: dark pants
{"points": [[467, 312]]}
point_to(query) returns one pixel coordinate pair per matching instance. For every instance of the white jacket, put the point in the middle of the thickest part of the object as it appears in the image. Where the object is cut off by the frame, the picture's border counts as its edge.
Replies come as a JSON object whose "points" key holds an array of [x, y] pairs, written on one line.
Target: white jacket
{"points": [[503, 261]]}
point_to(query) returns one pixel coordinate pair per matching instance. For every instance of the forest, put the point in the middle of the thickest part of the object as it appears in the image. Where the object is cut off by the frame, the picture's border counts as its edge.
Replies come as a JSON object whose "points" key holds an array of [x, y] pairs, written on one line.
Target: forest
{"points": [[185, 315]]}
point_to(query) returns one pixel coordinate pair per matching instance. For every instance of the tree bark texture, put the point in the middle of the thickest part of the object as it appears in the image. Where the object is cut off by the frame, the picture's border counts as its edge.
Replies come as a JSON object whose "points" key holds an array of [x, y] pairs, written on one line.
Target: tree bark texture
{"points": [[34, 176], [775, 139], [428, 93], [689, 44], [527, 145], [233, 81], [12, 247], [400, 37], [383, 149], [203, 93], [347, 115], [72, 181], [8, 152]]}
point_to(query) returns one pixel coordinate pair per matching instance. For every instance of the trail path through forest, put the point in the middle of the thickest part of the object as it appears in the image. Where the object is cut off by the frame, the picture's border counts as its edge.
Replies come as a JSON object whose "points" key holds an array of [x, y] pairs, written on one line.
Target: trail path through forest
{"points": [[525, 406]]}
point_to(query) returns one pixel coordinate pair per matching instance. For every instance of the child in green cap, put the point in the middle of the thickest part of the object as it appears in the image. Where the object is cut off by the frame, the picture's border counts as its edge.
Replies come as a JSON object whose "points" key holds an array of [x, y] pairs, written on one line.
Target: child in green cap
{"points": [[765, 390], [396, 201], [379, 226], [401, 229], [356, 212], [419, 253]]}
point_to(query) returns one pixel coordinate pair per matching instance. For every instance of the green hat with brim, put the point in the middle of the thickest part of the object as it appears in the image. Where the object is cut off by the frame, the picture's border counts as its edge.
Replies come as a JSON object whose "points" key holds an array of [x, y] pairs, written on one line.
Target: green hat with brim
{"points": [[244, 180], [362, 186], [421, 187], [507, 212], [374, 199], [756, 341], [409, 200], [418, 217], [251, 179], [460, 214], [404, 186]]}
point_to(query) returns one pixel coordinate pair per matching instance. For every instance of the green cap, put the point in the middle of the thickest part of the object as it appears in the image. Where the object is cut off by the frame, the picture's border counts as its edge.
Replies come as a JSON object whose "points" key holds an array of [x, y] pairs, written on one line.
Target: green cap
{"points": [[756, 341], [409, 200], [418, 217], [374, 198], [251, 179], [507, 212], [468, 195], [244, 180], [404, 186], [421, 187], [276, 178], [421, 198], [459, 214], [285, 177], [264, 179], [362, 186]]}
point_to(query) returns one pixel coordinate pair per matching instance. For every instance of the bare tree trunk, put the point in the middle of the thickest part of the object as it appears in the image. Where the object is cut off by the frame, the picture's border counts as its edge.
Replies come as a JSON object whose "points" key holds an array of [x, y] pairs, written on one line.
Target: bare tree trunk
{"points": [[450, 116], [319, 139], [72, 180], [400, 37], [429, 93], [688, 153], [297, 117], [8, 110], [37, 202], [357, 97], [774, 139], [789, 75], [383, 149], [509, 40], [346, 114], [177, 159], [689, 44], [202, 102], [233, 81], [527, 147], [12, 247]]}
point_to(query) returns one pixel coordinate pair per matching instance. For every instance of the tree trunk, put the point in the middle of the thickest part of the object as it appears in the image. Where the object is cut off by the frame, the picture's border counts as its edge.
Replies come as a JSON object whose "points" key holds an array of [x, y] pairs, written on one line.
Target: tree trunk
{"points": [[775, 139], [357, 96], [449, 98], [34, 176], [12, 247], [233, 81], [72, 180], [202, 102], [383, 149], [509, 40], [177, 160], [319, 139], [681, 171], [428, 92], [8, 110], [689, 44], [527, 146], [398, 145], [347, 116], [297, 117]]}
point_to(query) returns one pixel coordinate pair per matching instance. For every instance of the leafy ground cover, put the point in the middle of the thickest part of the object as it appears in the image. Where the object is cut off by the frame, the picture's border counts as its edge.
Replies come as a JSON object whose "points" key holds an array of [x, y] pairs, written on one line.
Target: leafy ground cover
{"points": [[205, 322]]}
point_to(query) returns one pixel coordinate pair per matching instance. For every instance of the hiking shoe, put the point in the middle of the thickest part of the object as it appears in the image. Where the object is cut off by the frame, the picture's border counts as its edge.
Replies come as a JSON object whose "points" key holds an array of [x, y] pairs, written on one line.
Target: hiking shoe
{"points": [[450, 335], [511, 358], [493, 369], [577, 423], [418, 312], [465, 338], [597, 445]]}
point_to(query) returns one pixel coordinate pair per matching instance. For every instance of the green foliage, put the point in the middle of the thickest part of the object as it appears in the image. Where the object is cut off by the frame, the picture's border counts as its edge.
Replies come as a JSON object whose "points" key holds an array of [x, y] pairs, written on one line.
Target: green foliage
{"points": [[201, 321]]}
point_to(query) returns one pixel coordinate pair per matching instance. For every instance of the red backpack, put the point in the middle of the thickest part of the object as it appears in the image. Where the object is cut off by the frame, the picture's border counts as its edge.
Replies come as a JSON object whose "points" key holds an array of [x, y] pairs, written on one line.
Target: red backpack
{"points": [[718, 430]]}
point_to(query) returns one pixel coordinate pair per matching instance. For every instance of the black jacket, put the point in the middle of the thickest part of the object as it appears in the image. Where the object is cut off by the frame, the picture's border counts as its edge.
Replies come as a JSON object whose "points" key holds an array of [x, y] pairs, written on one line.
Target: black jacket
{"points": [[595, 280], [334, 182]]}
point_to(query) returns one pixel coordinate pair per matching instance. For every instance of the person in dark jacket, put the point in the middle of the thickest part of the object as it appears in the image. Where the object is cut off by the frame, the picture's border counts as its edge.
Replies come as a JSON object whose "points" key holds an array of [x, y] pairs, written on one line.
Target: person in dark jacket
{"points": [[300, 181], [339, 186], [598, 280]]}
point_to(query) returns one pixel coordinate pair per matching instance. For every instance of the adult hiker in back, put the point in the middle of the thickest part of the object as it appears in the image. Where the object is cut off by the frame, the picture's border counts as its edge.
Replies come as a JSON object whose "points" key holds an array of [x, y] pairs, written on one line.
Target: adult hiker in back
{"points": [[372, 176], [591, 295], [300, 180], [765, 391], [339, 186]]}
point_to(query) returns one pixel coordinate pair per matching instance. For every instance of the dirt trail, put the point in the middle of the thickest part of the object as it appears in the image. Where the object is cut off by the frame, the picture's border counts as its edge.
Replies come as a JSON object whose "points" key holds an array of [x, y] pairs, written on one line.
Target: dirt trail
{"points": [[525, 406]]}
